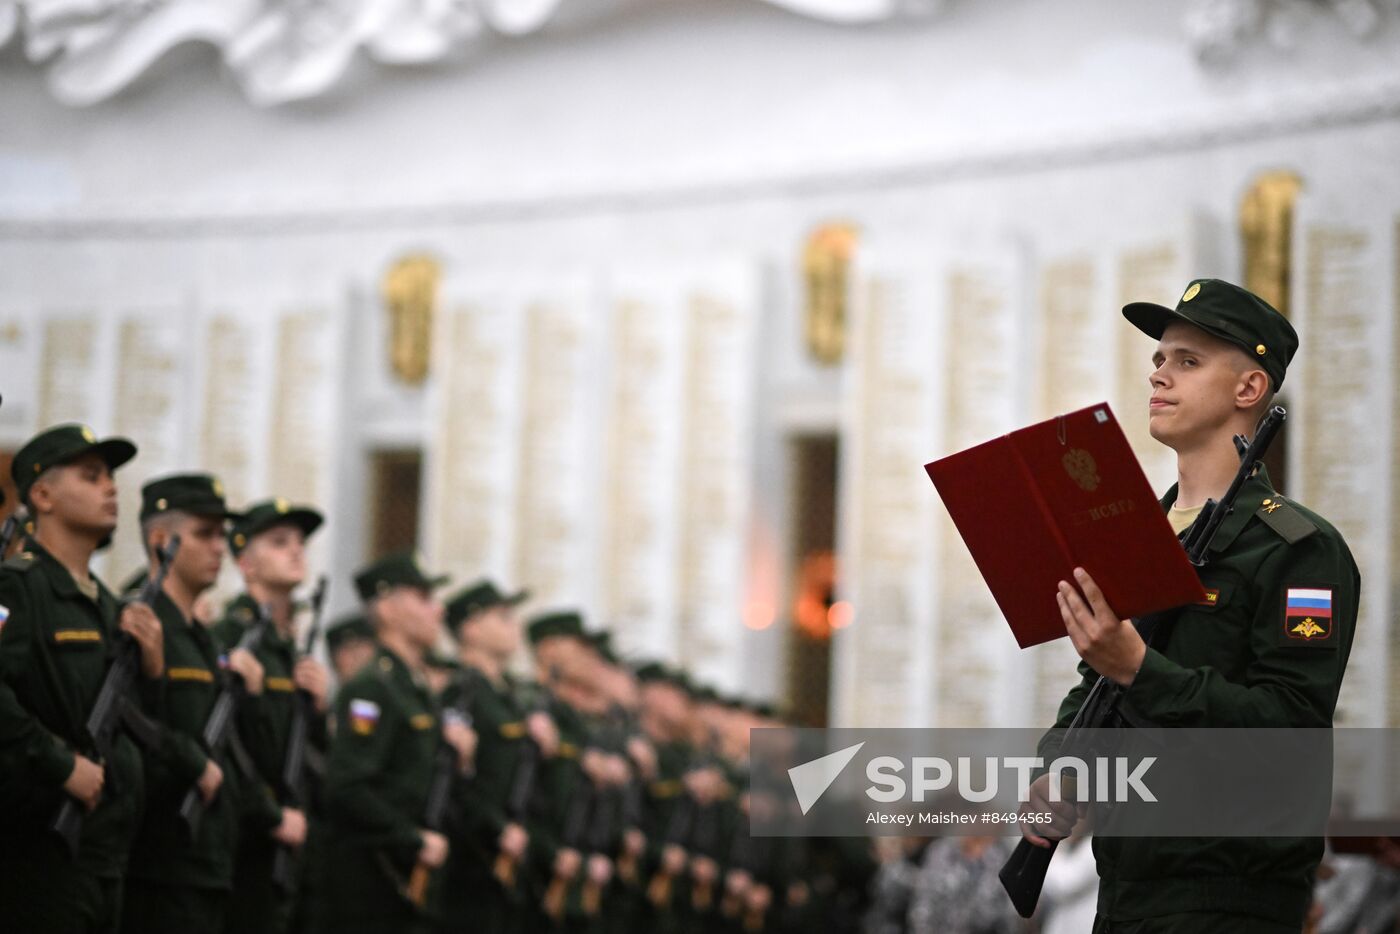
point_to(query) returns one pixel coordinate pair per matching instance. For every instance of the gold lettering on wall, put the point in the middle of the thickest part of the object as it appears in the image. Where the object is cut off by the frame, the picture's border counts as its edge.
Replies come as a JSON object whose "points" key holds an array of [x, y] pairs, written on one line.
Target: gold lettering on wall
{"points": [[826, 267], [1266, 225], [410, 296]]}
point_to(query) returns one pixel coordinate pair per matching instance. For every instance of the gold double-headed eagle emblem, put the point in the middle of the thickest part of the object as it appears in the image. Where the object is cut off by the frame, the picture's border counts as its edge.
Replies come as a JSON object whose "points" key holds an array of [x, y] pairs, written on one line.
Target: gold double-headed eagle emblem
{"points": [[1308, 628]]}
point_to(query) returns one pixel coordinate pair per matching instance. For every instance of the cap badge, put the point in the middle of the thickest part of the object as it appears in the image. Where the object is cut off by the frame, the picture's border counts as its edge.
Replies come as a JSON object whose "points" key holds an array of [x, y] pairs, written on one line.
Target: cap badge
{"points": [[281, 505], [1192, 292], [1261, 350], [217, 487], [88, 436], [239, 541], [160, 503]]}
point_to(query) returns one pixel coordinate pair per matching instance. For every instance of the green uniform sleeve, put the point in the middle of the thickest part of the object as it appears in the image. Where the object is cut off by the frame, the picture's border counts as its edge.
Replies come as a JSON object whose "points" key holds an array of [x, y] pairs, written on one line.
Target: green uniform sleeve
{"points": [[1285, 685], [357, 756], [24, 739]]}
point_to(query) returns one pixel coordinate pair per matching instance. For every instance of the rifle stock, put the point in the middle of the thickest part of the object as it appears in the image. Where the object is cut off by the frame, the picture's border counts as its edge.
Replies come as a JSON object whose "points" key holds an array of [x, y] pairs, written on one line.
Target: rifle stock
{"points": [[294, 762], [220, 724]]}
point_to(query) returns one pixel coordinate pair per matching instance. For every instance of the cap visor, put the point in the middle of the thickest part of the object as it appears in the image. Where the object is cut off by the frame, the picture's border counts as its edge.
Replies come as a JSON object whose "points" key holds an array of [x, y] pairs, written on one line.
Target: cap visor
{"points": [[1149, 318], [307, 520], [113, 451], [516, 599]]}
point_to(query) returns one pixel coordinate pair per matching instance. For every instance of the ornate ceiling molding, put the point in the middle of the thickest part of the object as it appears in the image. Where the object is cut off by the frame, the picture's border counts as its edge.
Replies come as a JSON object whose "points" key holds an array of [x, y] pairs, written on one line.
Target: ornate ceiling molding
{"points": [[287, 50], [1219, 30]]}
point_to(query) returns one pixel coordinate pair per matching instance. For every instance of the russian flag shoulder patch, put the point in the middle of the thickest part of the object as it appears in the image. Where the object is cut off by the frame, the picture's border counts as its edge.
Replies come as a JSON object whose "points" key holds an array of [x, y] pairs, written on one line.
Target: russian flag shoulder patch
{"points": [[1307, 615], [364, 716]]}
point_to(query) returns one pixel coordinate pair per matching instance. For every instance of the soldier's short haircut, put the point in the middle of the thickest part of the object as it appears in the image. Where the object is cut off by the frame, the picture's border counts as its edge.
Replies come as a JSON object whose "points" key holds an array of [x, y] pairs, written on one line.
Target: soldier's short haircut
{"points": [[45, 477], [166, 521]]}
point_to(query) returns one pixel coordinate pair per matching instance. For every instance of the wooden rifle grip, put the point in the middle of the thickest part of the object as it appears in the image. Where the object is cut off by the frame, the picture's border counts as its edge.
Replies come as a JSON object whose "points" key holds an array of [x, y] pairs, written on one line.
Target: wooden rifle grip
{"points": [[627, 868], [659, 892], [554, 898], [702, 897], [505, 870], [418, 884], [592, 898], [753, 920]]}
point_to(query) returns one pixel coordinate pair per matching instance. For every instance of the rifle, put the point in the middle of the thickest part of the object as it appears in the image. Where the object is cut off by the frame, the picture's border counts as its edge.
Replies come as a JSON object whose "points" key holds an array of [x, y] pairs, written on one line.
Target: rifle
{"points": [[445, 772], [114, 708], [574, 837], [1023, 875], [294, 763], [523, 781], [11, 526], [219, 727]]}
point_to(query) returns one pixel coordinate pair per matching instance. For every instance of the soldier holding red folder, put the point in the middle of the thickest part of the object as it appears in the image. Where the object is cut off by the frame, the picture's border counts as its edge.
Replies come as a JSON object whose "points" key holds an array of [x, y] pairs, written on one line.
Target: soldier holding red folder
{"points": [[1267, 648]]}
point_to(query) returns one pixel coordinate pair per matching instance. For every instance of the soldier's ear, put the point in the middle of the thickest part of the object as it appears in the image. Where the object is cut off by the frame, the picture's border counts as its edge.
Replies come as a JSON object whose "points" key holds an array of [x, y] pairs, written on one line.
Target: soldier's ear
{"points": [[1252, 389]]}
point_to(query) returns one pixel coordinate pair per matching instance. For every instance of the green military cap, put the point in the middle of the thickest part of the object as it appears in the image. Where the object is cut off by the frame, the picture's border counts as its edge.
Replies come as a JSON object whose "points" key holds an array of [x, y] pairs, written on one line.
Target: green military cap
{"points": [[1230, 313], [704, 694], [196, 493], [601, 640], [567, 623], [482, 595], [347, 627], [657, 673], [262, 516], [63, 444], [396, 570]]}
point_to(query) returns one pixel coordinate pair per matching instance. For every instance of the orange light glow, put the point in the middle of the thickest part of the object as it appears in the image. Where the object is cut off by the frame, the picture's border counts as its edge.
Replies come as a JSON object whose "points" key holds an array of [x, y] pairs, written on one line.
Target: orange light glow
{"points": [[840, 614], [758, 614]]}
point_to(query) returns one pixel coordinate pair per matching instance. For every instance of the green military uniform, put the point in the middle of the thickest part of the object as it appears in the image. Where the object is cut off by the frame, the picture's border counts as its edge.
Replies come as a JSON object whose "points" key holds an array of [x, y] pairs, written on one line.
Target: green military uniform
{"points": [[377, 777], [474, 898], [262, 907], [55, 648], [386, 735], [175, 882], [1248, 657]]}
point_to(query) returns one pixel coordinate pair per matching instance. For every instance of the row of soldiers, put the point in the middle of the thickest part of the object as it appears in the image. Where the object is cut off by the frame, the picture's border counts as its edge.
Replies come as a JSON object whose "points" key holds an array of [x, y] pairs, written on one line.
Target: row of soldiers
{"points": [[221, 787]]}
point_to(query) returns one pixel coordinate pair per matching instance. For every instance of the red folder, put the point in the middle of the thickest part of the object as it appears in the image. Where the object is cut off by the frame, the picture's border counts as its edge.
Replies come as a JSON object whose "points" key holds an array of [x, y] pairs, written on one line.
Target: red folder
{"points": [[1064, 493]]}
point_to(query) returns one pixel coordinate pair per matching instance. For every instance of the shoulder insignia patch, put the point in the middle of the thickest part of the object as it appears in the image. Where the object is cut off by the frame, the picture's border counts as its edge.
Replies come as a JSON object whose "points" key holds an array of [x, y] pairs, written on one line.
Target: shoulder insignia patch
{"points": [[1307, 616], [422, 721], [364, 716], [1281, 516], [22, 561], [4, 615], [74, 635], [513, 730]]}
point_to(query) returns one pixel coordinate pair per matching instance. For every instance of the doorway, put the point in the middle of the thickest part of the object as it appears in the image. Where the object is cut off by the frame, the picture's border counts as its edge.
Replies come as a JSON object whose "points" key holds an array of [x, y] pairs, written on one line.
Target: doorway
{"points": [[813, 462]]}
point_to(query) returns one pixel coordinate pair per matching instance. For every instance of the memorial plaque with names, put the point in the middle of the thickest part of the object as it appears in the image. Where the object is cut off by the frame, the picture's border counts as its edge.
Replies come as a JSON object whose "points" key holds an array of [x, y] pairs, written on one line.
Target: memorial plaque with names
{"points": [[299, 450], [556, 440], [715, 469], [67, 359], [643, 496], [148, 410], [475, 438], [1343, 471], [231, 395], [18, 364], [895, 374], [983, 329]]}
